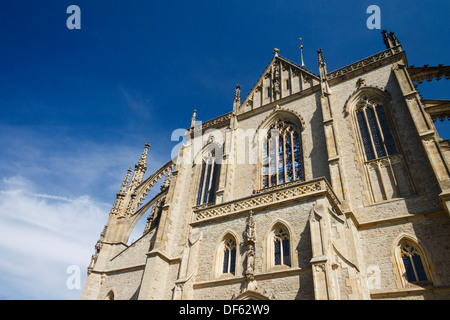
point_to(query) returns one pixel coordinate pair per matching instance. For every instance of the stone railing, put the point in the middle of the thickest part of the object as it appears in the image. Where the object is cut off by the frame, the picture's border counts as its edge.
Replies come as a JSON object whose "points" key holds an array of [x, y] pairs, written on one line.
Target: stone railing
{"points": [[268, 197], [364, 62], [220, 121]]}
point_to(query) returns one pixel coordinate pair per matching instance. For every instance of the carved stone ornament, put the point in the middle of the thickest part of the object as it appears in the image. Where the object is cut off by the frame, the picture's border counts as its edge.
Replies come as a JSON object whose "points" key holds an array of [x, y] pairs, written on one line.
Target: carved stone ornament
{"points": [[250, 229]]}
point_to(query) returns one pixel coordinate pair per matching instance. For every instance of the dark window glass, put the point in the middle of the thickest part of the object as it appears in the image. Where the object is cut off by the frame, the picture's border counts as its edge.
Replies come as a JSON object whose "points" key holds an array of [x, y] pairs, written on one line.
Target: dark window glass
{"points": [[365, 136]]}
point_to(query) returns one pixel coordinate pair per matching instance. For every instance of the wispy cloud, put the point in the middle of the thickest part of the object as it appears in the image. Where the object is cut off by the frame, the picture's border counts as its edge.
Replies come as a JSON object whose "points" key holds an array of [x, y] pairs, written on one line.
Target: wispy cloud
{"points": [[139, 105], [55, 196], [40, 236]]}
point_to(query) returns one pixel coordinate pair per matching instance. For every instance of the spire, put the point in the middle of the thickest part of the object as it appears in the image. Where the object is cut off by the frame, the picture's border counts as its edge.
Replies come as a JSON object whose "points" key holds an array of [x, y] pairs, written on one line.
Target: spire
{"points": [[237, 98], [323, 73], [389, 39], [301, 52], [124, 186], [322, 64], [237, 94], [140, 168], [386, 39], [142, 163]]}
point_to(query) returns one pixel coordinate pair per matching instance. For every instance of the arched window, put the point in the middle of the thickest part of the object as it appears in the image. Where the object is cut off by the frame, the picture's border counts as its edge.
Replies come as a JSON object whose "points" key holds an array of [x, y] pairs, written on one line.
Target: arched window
{"points": [[374, 129], [229, 256], [384, 165], [413, 264], [282, 154], [110, 295], [208, 179], [281, 248]]}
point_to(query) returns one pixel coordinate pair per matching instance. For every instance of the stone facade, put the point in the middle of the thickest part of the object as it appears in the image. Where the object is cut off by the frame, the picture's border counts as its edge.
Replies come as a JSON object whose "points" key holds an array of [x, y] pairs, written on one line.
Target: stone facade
{"points": [[348, 200]]}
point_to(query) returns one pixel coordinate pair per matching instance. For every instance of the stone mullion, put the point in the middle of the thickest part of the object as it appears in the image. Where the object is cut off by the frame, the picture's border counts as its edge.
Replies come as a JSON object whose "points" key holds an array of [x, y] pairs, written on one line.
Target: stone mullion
{"points": [[391, 169], [380, 130], [283, 137], [382, 182], [269, 160], [277, 170], [370, 134]]}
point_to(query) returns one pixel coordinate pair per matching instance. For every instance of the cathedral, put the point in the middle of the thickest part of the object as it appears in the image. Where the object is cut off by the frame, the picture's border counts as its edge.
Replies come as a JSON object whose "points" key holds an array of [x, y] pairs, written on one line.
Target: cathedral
{"points": [[333, 186]]}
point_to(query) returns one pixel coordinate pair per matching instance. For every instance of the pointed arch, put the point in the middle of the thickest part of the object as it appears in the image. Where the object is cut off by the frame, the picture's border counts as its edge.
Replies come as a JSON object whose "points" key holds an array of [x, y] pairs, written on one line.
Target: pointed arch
{"points": [[369, 106], [282, 113], [209, 160], [383, 95], [279, 246], [111, 295], [226, 258], [412, 262], [381, 160]]}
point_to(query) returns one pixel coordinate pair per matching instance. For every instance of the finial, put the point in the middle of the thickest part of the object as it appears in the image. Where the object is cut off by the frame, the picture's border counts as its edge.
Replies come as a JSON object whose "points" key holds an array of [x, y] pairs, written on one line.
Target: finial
{"points": [[389, 39], [386, 39], [321, 59], [194, 117], [143, 160], [301, 51], [237, 94], [323, 73], [124, 186], [237, 99], [275, 51]]}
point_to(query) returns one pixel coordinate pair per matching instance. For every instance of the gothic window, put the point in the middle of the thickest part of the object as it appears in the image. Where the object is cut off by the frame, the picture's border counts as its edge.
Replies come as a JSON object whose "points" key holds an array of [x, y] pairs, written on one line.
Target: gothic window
{"points": [[413, 263], [373, 126], [281, 247], [385, 168], [208, 179], [110, 295], [229, 256], [282, 154]]}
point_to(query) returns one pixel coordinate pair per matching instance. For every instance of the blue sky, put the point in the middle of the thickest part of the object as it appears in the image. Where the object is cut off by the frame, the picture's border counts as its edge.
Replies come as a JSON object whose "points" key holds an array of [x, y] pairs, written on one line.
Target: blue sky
{"points": [[77, 106]]}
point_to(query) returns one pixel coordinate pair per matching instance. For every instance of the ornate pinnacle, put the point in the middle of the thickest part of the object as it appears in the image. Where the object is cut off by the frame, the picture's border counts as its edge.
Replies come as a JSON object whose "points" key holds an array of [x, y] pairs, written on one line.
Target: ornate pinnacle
{"points": [[321, 59], [124, 186], [142, 163], [323, 73], [322, 65], [389, 39], [237, 94], [275, 52], [386, 39], [139, 169], [237, 99], [194, 117]]}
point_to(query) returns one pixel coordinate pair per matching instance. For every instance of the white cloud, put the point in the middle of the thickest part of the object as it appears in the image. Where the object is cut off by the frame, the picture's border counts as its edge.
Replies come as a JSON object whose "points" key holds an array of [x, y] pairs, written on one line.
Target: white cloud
{"points": [[40, 236], [55, 196]]}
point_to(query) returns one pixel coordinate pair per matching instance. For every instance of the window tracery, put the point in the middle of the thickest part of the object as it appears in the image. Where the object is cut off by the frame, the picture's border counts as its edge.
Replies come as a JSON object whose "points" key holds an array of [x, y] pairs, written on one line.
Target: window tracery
{"points": [[229, 256], [412, 262], [281, 247], [282, 154], [208, 179], [384, 166], [375, 133]]}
